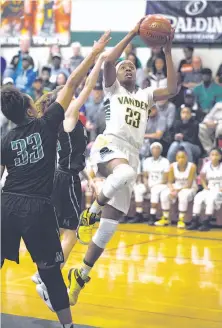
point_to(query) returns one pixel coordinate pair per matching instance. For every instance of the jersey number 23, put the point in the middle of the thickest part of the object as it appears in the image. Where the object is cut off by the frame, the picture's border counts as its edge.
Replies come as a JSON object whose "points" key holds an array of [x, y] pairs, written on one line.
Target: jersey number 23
{"points": [[132, 117]]}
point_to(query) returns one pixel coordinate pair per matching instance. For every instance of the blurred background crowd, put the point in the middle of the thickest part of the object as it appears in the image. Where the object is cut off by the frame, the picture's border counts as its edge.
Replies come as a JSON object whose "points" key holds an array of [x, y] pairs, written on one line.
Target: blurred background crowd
{"points": [[192, 119]]}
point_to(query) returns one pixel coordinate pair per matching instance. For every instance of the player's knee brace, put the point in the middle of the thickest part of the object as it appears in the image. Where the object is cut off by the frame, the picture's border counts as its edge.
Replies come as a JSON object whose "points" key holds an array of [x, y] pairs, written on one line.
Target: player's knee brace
{"points": [[105, 232], [57, 291], [123, 174]]}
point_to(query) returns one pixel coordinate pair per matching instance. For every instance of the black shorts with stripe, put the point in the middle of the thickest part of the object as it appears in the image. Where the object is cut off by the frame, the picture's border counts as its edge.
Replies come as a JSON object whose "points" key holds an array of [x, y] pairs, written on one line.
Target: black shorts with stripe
{"points": [[33, 219], [66, 198]]}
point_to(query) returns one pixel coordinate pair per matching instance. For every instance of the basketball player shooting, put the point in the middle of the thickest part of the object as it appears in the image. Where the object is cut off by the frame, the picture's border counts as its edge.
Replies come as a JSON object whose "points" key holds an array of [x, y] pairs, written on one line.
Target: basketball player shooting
{"points": [[115, 154]]}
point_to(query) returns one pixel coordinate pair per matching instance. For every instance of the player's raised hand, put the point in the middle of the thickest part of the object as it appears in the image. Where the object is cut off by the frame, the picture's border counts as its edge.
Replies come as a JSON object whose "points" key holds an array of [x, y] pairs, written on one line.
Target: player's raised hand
{"points": [[168, 45], [99, 45], [136, 29], [104, 55]]}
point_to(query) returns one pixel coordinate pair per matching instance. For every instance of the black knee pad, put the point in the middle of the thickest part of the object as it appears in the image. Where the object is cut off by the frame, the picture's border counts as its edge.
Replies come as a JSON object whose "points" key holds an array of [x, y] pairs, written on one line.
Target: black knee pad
{"points": [[57, 291]]}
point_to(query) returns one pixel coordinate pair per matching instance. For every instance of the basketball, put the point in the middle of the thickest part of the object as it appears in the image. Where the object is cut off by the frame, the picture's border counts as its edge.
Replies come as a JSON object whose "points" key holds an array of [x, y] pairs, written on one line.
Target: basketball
{"points": [[154, 30]]}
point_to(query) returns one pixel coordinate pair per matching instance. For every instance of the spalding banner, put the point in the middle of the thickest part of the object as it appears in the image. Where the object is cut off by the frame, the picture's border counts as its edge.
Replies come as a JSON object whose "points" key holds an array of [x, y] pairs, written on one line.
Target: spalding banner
{"points": [[196, 21]]}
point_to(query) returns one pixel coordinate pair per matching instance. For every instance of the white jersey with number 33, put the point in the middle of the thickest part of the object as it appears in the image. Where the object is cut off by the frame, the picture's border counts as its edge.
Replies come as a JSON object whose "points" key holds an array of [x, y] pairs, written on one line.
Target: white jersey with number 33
{"points": [[127, 113]]}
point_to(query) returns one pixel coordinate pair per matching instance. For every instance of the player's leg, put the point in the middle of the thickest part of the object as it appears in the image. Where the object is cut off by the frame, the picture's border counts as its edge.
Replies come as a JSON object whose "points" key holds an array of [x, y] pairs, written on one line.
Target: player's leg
{"points": [[69, 240], [165, 205], [10, 228], [209, 211], [139, 191], [199, 199], [119, 174], [155, 192], [107, 227], [41, 237], [184, 197]]}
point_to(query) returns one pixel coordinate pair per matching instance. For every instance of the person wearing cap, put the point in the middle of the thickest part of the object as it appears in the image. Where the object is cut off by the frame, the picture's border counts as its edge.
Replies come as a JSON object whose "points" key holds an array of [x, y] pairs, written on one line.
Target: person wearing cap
{"points": [[56, 67], [7, 81], [211, 127], [77, 57], [185, 134], [155, 176], [25, 78], [208, 93], [190, 101]]}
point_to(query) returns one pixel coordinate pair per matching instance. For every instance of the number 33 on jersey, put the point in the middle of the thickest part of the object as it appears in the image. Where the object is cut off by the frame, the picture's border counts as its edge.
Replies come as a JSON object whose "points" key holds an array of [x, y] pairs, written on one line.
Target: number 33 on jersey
{"points": [[29, 150], [127, 113]]}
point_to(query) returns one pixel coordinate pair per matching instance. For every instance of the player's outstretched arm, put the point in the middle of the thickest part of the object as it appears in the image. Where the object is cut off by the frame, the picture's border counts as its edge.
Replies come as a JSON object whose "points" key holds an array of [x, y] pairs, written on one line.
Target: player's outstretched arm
{"points": [[171, 89], [72, 113], [65, 95], [115, 53]]}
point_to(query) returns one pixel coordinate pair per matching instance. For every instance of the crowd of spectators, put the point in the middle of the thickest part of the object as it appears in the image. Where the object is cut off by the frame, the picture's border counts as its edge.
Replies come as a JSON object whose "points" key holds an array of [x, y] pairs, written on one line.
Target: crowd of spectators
{"points": [[192, 119]]}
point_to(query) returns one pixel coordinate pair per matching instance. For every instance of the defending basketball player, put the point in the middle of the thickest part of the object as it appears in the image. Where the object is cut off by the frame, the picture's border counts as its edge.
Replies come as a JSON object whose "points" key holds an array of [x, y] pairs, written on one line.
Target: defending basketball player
{"points": [[115, 154], [72, 142]]}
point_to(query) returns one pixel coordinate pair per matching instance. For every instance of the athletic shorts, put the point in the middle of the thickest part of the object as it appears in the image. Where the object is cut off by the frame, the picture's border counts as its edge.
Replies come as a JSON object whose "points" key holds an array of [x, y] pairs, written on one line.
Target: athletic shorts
{"points": [[33, 219], [106, 148], [66, 198]]}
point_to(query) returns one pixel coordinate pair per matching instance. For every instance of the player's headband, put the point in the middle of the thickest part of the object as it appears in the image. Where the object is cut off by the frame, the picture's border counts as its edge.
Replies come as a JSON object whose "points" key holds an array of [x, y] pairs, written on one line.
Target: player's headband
{"points": [[156, 144], [121, 63]]}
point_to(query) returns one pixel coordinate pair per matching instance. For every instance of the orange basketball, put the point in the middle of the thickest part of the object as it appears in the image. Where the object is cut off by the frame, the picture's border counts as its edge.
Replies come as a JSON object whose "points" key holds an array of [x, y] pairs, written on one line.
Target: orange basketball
{"points": [[154, 30]]}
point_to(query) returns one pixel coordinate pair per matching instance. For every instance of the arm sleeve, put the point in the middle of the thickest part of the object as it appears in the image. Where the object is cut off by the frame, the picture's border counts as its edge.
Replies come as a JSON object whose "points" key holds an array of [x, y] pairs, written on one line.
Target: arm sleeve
{"points": [[112, 89], [54, 116]]}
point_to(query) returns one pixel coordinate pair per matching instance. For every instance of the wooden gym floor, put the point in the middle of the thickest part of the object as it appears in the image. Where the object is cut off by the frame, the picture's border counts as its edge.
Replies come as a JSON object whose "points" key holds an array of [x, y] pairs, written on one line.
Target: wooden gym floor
{"points": [[148, 277]]}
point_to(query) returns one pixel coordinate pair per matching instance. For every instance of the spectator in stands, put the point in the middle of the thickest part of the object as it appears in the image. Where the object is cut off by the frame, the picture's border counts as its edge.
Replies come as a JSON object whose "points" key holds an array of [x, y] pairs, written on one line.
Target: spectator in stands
{"points": [[95, 113], [179, 99], [37, 88], [146, 83], [167, 110], [219, 75], [192, 78], [131, 48], [211, 195], [155, 52], [54, 49], [45, 75], [25, 43], [11, 69], [211, 127], [185, 133], [189, 101], [61, 79], [155, 177], [25, 78], [56, 67], [186, 63], [156, 126], [77, 57], [159, 73], [3, 65], [140, 75], [207, 93], [8, 81], [181, 186]]}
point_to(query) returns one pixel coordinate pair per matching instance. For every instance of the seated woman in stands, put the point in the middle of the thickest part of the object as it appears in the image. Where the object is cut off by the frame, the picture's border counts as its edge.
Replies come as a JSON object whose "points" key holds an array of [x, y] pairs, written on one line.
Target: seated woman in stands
{"points": [[211, 195], [181, 186]]}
